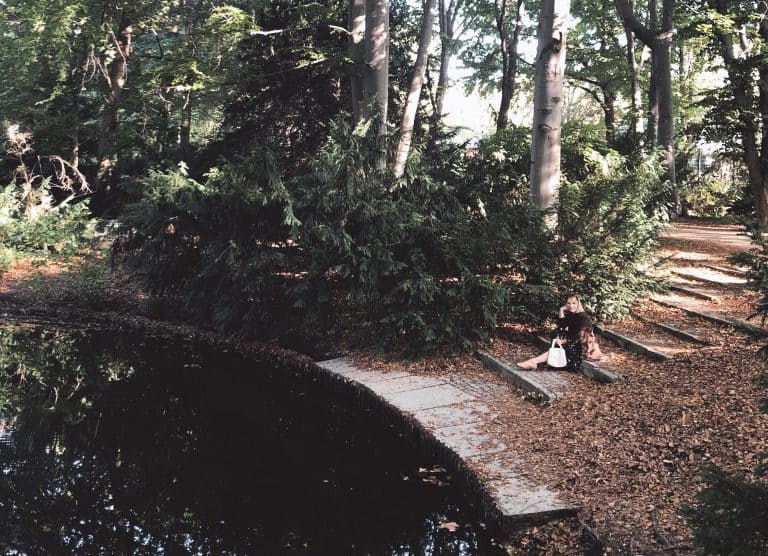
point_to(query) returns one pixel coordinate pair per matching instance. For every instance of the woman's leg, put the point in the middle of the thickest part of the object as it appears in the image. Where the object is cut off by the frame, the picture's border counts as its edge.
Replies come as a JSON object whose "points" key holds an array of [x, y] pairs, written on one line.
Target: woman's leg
{"points": [[533, 362]]}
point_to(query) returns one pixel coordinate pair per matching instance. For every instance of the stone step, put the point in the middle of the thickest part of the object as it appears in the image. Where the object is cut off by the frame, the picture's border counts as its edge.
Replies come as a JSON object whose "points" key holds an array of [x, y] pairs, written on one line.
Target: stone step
{"points": [[738, 324], [694, 292], [677, 330], [462, 430], [592, 369], [708, 276], [550, 385], [633, 344], [739, 272]]}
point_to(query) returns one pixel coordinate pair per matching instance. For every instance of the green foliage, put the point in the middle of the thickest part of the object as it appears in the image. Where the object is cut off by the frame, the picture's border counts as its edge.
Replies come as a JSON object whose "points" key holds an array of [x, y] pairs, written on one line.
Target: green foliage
{"points": [[731, 516], [219, 246], [420, 256], [608, 223], [42, 228], [756, 260]]}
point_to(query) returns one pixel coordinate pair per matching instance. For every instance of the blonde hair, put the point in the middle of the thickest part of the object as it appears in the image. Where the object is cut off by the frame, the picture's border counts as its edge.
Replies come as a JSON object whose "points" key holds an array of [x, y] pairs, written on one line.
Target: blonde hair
{"points": [[579, 306]]}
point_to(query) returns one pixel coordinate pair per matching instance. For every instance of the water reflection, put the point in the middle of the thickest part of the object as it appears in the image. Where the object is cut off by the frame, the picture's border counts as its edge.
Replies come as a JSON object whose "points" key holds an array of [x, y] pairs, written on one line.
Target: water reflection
{"points": [[118, 445]]}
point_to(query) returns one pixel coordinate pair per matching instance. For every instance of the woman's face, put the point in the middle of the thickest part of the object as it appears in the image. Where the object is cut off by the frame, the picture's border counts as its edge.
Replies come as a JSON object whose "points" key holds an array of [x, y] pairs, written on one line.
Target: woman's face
{"points": [[572, 304]]}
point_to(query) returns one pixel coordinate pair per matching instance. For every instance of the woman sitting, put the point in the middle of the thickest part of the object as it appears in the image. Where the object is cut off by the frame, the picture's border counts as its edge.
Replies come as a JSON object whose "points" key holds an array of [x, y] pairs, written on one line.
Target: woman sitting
{"points": [[575, 333]]}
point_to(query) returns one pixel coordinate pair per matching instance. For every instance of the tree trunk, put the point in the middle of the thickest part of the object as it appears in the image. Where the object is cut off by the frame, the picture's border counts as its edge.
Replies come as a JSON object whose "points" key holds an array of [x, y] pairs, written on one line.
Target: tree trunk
{"points": [[659, 40], [116, 78], [755, 155], [548, 102], [185, 127], [509, 59], [414, 89], [357, 55], [634, 67], [376, 76], [447, 16], [609, 113]]}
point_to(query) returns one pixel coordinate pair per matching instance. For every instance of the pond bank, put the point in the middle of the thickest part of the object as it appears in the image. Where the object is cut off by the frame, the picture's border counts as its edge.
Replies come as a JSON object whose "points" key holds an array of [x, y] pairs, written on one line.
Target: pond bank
{"points": [[446, 422]]}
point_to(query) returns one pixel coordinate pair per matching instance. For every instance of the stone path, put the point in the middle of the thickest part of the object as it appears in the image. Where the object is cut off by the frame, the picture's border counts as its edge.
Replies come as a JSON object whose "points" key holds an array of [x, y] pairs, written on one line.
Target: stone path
{"points": [[704, 289], [453, 414]]}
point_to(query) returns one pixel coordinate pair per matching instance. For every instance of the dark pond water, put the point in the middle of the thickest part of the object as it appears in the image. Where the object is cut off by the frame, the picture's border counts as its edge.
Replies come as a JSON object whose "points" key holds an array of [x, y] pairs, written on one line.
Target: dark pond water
{"points": [[118, 445]]}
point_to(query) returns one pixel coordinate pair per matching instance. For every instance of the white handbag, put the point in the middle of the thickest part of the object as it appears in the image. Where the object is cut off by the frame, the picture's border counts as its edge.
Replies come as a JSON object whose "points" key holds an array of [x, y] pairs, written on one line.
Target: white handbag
{"points": [[556, 356]]}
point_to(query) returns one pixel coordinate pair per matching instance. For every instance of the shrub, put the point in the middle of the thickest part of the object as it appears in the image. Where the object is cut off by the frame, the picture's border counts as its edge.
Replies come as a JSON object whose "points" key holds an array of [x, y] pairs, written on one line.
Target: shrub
{"points": [[756, 260], [731, 516], [42, 227], [607, 227], [420, 256], [218, 247]]}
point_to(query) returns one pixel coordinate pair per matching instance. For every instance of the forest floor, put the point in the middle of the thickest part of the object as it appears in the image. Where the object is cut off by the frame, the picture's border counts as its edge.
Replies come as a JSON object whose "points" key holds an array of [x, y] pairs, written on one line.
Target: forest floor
{"points": [[629, 453]]}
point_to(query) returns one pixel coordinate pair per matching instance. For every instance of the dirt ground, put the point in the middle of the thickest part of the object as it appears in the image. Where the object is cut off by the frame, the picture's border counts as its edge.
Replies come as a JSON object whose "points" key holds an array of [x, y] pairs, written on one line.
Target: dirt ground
{"points": [[629, 453]]}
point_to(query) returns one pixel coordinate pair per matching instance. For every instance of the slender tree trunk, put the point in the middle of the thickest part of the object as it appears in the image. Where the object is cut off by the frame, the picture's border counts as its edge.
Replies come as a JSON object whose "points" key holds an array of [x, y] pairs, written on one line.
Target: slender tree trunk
{"points": [[609, 113], [185, 127], [754, 152], [414, 89], [116, 79], [376, 76], [509, 58], [634, 67], [447, 16], [357, 55], [548, 102], [659, 40]]}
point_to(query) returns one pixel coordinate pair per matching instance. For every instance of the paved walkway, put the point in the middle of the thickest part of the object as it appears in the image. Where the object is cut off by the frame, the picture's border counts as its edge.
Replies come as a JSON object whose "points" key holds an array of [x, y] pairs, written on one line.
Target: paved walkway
{"points": [[454, 415], [451, 411], [726, 236]]}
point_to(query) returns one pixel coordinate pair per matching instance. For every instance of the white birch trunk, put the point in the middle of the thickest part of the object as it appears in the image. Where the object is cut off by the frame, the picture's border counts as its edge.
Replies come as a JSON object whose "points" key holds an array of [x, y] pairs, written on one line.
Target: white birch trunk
{"points": [[548, 103], [376, 78], [356, 54], [414, 89]]}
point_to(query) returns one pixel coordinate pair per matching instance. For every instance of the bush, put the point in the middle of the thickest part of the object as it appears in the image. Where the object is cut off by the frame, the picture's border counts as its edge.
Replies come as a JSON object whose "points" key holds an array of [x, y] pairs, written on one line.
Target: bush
{"points": [[608, 225], [732, 515], [216, 247], [732, 512], [422, 257], [41, 227], [756, 260]]}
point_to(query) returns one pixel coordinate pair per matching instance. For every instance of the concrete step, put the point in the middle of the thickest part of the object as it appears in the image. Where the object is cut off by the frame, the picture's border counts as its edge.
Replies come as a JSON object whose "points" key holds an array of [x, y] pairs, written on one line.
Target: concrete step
{"points": [[738, 324], [676, 330], [592, 369], [700, 274], [550, 385], [694, 292], [739, 272], [633, 344], [462, 430]]}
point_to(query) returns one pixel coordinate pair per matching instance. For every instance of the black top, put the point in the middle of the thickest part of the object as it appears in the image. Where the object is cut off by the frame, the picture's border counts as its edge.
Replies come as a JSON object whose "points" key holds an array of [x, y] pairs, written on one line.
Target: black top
{"points": [[571, 324]]}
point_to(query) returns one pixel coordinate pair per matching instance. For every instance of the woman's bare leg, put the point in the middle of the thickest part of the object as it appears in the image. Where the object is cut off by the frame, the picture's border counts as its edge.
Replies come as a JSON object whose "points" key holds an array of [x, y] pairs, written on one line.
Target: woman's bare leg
{"points": [[533, 362]]}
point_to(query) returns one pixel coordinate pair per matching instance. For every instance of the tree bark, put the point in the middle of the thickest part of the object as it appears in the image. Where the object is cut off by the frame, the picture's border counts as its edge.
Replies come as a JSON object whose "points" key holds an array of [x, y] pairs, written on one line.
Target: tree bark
{"points": [[634, 66], [447, 15], [376, 77], [509, 58], [739, 68], [547, 103], [357, 55], [116, 79], [659, 40], [414, 89], [185, 126]]}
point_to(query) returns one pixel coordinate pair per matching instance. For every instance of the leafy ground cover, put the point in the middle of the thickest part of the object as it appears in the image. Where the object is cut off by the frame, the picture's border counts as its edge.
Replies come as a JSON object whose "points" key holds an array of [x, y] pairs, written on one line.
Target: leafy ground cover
{"points": [[630, 454]]}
